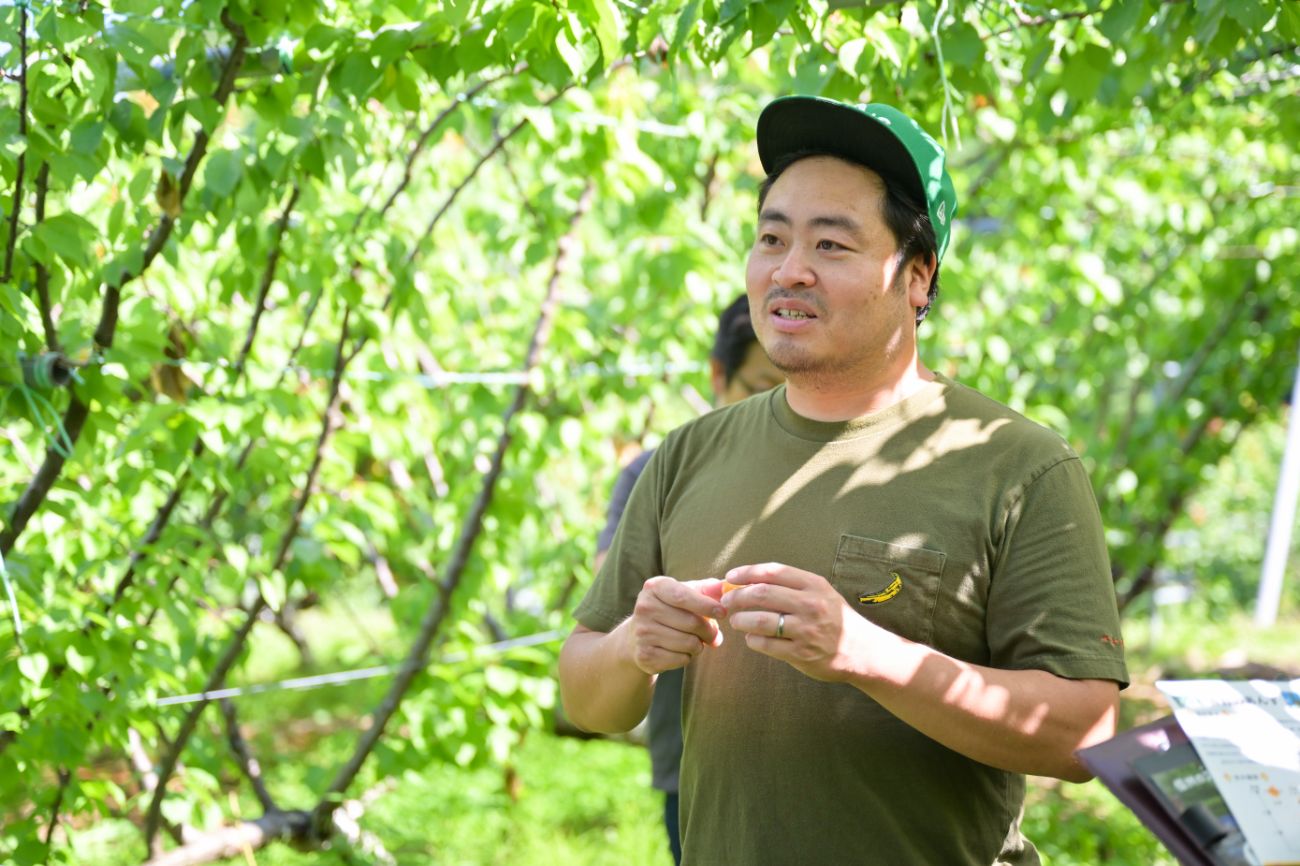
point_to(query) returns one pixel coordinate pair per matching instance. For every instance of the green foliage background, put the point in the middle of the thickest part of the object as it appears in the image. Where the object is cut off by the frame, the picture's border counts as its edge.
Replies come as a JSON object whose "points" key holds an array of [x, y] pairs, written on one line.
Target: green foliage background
{"points": [[208, 206]]}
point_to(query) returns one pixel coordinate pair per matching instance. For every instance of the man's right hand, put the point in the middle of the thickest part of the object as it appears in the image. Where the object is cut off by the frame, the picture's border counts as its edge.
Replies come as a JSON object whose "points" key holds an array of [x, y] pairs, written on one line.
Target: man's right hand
{"points": [[673, 621]]}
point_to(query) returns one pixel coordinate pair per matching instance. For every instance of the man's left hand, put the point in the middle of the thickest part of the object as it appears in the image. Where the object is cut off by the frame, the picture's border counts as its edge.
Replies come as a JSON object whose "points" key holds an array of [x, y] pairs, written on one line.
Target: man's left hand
{"points": [[798, 617]]}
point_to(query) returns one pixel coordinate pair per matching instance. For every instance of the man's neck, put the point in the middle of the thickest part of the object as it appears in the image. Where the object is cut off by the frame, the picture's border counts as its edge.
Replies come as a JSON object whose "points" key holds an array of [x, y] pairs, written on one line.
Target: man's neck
{"points": [[821, 400]]}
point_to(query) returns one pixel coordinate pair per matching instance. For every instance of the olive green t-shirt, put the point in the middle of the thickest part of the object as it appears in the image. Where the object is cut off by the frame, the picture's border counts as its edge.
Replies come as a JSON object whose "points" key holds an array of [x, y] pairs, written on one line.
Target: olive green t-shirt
{"points": [[948, 519]]}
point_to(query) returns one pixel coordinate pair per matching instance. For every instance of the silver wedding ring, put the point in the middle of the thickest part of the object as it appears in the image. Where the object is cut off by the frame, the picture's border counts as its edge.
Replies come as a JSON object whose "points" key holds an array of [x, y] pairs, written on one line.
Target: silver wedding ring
{"points": [[780, 625]]}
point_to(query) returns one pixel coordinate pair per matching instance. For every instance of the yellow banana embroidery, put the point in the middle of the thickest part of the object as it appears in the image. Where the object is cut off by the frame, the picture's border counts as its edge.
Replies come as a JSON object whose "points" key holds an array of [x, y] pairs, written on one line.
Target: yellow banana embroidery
{"points": [[894, 588]]}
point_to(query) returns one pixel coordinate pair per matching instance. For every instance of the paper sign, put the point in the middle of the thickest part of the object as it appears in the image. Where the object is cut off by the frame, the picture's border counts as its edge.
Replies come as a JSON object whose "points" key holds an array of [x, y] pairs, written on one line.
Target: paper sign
{"points": [[1247, 734]]}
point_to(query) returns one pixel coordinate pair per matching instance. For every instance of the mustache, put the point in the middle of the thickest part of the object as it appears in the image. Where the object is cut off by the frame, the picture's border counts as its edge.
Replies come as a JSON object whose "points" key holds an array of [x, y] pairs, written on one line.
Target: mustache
{"points": [[779, 294]]}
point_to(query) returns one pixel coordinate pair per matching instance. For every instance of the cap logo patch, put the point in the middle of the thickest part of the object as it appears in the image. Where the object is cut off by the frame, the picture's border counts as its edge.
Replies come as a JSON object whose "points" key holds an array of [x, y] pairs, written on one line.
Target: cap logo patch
{"points": [[942, 213]]}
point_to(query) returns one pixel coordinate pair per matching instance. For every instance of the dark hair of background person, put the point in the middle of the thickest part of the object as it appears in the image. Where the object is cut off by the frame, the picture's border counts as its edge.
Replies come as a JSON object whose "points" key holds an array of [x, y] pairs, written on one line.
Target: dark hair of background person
{"points": [[734, 337], [907, 219]]}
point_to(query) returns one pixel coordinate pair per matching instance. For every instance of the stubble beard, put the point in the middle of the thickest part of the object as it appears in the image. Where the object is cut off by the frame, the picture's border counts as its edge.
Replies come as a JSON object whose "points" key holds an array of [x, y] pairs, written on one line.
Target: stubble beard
{"points": [[819, 373]]}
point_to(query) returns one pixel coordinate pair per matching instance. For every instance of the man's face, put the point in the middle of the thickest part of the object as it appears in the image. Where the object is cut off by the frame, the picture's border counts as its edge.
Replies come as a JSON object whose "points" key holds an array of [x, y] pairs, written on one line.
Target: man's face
{"points": [[829, 300]]}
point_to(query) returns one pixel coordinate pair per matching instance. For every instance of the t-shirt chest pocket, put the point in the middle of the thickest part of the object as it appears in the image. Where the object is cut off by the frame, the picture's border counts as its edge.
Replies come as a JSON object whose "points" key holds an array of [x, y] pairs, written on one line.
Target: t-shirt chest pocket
{"points": [[894, 586]]}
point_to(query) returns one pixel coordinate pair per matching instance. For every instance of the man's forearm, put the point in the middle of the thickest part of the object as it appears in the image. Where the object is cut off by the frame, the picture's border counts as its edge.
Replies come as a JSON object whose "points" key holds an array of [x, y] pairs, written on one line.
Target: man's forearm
{"points": [[602, 688], [1027, 721]]}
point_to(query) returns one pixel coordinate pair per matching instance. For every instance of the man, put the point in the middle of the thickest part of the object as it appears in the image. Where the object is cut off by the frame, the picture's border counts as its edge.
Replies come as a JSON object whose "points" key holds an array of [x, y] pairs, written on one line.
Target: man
{"points": [[738, 368], [925, 610]]}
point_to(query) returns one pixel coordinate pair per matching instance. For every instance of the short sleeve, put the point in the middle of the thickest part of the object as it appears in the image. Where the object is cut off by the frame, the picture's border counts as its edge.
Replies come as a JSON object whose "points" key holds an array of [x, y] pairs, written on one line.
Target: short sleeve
{"points": [[1052, 598]]}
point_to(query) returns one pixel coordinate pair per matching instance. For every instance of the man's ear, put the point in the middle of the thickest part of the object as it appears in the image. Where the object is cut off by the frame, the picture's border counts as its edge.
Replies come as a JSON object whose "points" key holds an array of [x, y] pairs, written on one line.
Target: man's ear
{"points": [[717, 378], [918, 272]]}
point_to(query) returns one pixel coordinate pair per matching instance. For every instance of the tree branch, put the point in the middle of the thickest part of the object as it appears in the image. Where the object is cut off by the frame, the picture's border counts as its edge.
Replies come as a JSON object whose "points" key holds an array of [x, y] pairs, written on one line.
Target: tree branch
{"points": [[244, 757], [417, 657], [423, 140], [148, 779], [1173, 507], [169, 505], [236, 645], [74, 418], [268, 277], [42, 272], [498, 142], [172, 756], [156, 528], [64, 778], [235, 841], [39, 487], [8, 273], [113, 290]]}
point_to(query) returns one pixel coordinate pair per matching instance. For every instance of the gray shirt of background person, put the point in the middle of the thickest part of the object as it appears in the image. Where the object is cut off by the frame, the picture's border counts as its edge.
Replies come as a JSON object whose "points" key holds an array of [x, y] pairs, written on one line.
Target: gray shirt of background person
{"points": [[664, 721]]}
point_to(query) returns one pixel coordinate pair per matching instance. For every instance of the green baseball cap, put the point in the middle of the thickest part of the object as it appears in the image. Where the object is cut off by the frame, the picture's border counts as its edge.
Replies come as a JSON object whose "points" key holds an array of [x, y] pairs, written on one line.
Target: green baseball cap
{"points": [[875, 135]]}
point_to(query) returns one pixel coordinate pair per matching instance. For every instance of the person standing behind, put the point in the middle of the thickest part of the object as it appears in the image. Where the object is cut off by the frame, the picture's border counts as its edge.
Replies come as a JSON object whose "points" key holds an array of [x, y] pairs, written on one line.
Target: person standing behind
{"points": [[738, 368], [923, 610]]}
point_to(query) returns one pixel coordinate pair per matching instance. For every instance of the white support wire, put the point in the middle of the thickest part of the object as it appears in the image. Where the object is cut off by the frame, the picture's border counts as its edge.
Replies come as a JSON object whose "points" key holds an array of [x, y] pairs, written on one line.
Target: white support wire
{"points": [[340, 677], [440, 379]]}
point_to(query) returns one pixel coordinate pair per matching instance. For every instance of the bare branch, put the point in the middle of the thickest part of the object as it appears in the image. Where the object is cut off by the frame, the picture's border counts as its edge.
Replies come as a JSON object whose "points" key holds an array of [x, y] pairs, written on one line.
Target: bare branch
{"points": [[159, 523], [268, 277], [423, 140], [244, 757], [172, 756], [236, 841], [498, 142], [42, 272], [417, 657], [148, 778], [292, 826], [64, 778]]}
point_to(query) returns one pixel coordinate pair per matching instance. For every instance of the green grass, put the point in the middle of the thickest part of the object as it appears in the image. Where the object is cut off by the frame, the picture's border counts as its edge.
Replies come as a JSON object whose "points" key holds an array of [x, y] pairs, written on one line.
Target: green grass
{"points": [[577, 803]]}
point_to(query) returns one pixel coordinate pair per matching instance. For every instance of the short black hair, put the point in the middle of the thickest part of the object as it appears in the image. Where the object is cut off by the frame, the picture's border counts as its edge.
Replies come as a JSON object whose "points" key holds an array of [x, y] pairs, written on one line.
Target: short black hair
{"points": [[908, 220], [734, 337]]}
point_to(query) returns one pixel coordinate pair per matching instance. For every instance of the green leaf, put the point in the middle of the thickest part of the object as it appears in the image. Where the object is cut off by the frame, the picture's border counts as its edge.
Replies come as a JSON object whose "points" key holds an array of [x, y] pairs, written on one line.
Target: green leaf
{"points": [[501, 680], [578, 47], [67, 235], [1288, 22], [609, 24], [1209, 15], [1252, 15], [34, 666], [765, 18], [1120, 19], [86, 136], [222, 172], [685, 24], [850, 53], [77, 662], [1084, 70], [962, 44], [407, 92], [273, 589]]}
